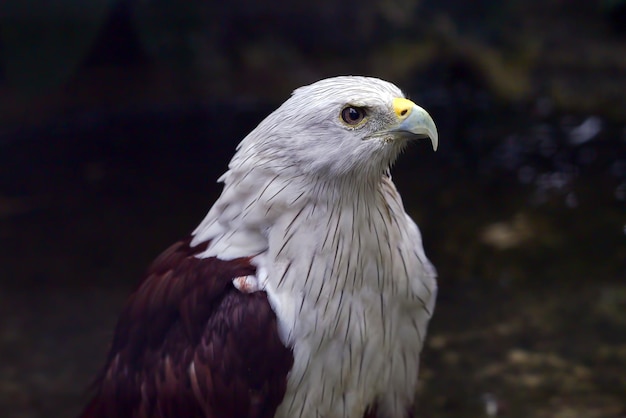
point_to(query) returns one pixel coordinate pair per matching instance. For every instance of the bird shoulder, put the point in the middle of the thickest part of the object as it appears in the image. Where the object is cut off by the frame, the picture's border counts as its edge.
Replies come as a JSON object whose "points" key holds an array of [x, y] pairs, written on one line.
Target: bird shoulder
{"points": [[189, 344]]}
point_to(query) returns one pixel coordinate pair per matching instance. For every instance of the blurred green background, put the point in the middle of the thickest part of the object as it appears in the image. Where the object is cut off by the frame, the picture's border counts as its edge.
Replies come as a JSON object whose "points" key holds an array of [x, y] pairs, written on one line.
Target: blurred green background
{"points": [[117, 116]]}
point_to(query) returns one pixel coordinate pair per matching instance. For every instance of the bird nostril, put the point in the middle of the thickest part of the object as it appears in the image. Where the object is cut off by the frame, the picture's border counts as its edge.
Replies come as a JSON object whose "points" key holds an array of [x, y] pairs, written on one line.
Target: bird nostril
{"points": [[403, 112]]}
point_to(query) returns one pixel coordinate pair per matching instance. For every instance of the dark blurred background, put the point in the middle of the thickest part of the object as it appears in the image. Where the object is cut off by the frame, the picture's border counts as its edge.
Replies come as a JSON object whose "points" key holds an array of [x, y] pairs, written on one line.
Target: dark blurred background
{"points": [[117, 117]]}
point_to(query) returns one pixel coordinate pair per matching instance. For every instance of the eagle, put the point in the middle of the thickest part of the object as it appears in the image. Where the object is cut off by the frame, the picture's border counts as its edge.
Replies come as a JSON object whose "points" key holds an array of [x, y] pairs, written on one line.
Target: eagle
{"points": [[304, 292]]}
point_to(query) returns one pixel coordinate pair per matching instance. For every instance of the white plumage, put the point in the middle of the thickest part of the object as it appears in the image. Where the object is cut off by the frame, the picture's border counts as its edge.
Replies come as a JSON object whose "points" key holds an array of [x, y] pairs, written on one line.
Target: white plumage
{"points": [[309, 197]]}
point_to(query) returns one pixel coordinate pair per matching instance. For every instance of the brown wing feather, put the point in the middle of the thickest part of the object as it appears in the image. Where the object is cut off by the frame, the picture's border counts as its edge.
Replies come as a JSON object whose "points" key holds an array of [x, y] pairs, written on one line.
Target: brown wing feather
{"points": [[188, 344]]}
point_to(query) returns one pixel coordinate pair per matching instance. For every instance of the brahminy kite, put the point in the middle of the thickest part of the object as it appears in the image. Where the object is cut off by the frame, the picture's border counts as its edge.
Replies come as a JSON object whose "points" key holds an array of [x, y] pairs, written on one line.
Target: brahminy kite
{"points": [[305, 292]]}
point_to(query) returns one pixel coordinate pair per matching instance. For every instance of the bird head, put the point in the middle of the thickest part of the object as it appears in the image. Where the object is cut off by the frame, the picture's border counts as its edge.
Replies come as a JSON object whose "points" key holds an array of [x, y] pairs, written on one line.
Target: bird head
{"points": [[340, 126]]}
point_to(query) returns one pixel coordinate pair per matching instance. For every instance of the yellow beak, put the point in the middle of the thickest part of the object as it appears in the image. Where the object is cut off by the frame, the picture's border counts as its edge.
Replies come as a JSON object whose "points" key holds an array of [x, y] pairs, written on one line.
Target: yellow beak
{"points": [[414, 120]]}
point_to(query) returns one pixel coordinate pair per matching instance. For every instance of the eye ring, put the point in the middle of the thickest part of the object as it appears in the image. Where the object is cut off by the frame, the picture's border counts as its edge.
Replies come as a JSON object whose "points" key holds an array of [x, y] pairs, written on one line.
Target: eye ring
{"points": [[352, 115]]}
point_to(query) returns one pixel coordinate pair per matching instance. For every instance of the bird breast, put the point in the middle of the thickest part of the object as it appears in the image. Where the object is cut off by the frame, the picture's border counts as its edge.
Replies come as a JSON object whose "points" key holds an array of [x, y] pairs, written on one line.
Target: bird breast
{"points": [[345, 272], [353, 293]]}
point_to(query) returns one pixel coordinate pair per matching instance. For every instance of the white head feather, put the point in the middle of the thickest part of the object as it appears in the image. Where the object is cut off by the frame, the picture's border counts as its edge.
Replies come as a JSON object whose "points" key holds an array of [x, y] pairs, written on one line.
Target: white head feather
{"points": [[307, 133], [305, 144]]}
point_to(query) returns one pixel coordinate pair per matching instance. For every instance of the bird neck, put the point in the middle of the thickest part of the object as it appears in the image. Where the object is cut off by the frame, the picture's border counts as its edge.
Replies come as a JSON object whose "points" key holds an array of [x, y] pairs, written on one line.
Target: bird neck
{"points": [[257, 201], [314, 242]]}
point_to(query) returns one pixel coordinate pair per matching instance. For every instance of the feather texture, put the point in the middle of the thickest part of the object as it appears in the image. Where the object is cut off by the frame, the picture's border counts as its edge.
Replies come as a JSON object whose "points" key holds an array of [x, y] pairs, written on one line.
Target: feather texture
{"points": [[189, 345]]}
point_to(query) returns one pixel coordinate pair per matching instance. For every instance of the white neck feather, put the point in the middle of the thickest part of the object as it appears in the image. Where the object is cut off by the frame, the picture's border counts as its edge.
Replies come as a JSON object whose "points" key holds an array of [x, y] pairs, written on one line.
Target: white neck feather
{"points": [[342, 264], [257, 195]]}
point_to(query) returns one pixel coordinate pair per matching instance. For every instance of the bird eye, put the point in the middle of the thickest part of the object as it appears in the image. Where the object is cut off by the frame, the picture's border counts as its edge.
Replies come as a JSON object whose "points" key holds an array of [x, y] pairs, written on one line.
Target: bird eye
{"points": [[353, 115]]}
